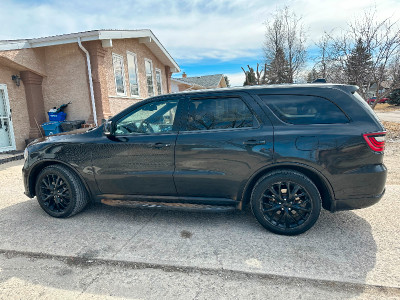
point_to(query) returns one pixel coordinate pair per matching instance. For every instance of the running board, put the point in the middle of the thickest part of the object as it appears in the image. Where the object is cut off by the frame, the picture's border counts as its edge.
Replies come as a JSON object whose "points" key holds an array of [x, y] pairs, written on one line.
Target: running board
{"points": [[170, 199], [169, 205]]}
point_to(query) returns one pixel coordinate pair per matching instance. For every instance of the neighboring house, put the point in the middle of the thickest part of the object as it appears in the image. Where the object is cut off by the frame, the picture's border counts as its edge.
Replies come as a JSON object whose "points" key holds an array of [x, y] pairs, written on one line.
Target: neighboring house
{"points": [[197, 83], [125, 66], [385, 85]]}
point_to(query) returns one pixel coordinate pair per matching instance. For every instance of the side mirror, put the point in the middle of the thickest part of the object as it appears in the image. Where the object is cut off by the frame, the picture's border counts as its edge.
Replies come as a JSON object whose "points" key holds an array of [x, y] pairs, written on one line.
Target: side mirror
{"points": [[107, 128]]}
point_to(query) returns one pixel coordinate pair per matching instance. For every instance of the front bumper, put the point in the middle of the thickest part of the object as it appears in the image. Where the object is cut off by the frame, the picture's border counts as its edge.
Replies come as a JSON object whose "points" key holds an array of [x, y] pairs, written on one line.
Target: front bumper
{"points": [[25, 176]]}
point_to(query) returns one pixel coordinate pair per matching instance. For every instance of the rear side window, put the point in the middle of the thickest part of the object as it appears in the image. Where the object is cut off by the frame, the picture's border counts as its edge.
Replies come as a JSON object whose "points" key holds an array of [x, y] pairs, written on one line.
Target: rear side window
{"points": [[298, 109], [218, 113]]}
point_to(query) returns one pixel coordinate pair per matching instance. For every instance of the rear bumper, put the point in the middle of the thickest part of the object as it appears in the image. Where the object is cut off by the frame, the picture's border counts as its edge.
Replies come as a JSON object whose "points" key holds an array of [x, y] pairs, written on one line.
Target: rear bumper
{"points": [[355, 203]]}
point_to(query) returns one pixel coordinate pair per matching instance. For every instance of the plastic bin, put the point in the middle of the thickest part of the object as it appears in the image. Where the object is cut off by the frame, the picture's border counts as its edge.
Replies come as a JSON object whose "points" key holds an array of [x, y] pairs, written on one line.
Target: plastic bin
{"points": [[71, 125], [57, 116], [51, 128]]}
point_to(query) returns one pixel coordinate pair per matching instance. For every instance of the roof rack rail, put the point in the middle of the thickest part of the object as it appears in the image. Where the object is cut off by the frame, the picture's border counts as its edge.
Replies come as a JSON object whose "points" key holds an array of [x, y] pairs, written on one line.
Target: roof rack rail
{"points": [[319, 80]]}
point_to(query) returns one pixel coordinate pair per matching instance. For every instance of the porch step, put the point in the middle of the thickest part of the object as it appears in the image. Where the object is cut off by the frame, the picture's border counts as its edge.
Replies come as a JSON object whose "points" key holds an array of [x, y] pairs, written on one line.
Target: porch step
{"points": [[8, 156], [169, 206]]}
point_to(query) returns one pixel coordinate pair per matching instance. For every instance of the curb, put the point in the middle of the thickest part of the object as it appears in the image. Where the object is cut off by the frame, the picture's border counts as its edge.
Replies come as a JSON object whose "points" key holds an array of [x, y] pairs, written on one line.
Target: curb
{"points": [[12, 158]]}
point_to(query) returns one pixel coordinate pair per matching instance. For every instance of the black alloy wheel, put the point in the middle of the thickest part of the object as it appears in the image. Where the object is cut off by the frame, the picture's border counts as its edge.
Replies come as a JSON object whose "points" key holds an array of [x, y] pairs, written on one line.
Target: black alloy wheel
{"points": [[286, 202], [55, 193], [60, 192]]}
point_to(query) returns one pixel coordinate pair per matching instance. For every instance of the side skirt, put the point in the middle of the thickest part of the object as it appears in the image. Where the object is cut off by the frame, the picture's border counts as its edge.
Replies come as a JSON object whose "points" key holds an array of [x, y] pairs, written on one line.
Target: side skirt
{"points": [[198, 203]]}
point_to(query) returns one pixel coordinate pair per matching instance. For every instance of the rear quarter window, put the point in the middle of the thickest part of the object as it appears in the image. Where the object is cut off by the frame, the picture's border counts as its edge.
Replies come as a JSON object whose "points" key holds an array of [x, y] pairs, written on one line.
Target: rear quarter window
{"points": [[302, 109]]}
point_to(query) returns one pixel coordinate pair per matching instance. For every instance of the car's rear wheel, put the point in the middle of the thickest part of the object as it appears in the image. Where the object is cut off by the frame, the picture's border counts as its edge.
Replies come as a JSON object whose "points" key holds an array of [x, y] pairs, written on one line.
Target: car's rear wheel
{"points": [[286, 202], [60, 192]]}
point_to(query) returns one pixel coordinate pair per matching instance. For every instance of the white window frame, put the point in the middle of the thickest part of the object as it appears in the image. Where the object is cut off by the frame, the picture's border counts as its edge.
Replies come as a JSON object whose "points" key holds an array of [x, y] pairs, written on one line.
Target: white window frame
{"points": [[137, 73], [152, 76], [161, 86], [123, 74]]}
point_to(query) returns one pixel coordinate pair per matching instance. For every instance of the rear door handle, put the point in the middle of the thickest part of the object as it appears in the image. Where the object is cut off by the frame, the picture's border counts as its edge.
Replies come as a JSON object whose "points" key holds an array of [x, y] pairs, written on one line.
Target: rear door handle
{"points": [[160, 145], [254, 142]]}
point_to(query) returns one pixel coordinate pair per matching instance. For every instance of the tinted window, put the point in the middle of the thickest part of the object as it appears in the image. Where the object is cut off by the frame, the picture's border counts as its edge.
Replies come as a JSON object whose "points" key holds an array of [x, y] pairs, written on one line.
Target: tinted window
{"points": [[296, 109], [218, 113], [154, 117]]}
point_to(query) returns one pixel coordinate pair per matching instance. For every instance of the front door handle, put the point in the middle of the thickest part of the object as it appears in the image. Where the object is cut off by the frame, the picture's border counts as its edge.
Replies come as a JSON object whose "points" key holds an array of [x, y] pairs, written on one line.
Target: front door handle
{"points": [[254, 142], [160, 145]]}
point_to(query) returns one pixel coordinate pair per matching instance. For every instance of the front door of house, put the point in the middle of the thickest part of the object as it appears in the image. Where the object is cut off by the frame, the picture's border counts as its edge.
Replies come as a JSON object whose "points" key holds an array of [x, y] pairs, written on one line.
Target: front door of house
{"points": [[6, 130]]}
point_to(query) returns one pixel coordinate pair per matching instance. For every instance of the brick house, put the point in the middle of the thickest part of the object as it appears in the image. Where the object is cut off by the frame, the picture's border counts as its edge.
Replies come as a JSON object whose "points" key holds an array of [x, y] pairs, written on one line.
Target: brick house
{"points": [[101, 72], [197, 82]]}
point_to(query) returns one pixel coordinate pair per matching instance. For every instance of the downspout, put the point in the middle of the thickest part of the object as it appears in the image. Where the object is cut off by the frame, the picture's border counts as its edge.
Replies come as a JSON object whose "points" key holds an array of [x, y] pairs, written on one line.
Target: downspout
{"points": [[89, 69]]}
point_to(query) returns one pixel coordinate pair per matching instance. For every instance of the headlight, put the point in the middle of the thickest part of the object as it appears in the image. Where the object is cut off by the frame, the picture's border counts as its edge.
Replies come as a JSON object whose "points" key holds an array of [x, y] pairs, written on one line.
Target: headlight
{"points": [[26, 154]]}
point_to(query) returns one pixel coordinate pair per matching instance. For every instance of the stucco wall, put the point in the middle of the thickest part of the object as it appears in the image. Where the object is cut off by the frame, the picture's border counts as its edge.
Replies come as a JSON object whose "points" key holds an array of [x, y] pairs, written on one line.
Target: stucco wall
{"points": [[66, 81], [18, 106], [116, 104], [121, 47], [32, 59]]}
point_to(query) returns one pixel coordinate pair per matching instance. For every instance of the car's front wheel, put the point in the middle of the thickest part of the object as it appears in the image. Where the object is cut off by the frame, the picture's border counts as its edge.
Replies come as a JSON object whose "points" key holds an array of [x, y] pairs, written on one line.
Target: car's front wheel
{"points": [[60, 192], [286, 202]]}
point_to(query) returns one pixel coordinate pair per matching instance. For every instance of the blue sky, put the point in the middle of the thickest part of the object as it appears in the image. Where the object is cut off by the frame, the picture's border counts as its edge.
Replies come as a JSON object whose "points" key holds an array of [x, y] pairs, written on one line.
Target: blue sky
{"points": [[204, 37]]}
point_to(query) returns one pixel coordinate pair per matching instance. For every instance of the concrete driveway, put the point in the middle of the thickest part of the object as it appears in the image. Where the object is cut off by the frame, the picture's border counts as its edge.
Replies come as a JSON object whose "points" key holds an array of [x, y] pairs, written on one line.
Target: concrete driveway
{"points": [[120, 252], [389, 116]]}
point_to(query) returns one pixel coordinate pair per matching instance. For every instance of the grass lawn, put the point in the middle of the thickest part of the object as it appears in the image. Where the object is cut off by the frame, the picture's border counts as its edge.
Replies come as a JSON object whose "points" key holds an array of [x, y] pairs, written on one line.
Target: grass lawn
{"points": [[386, 107]]}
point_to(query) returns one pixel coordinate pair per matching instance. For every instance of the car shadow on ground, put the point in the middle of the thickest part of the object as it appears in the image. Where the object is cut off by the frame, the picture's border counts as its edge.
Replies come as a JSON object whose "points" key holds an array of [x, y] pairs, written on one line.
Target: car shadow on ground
{"points": [[340, 247]]}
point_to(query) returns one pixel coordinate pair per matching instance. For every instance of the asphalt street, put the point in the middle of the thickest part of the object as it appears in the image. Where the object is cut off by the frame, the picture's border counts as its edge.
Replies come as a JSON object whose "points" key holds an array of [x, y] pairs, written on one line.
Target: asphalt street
{"points": [[119, 252]]}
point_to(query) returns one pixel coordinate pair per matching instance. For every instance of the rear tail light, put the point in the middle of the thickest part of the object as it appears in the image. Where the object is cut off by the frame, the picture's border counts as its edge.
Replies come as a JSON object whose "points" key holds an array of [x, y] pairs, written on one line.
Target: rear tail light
{"points": [[376, 141]]}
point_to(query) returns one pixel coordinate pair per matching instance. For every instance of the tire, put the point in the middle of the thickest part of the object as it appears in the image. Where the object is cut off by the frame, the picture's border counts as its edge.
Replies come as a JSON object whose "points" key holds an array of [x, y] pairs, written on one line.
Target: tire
{"points": [[286, 202], [60, 192]]}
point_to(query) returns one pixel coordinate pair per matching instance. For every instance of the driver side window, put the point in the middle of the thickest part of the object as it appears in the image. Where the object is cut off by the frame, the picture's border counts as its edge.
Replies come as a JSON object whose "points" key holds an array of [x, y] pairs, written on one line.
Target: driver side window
{"points": [[154, 117]]}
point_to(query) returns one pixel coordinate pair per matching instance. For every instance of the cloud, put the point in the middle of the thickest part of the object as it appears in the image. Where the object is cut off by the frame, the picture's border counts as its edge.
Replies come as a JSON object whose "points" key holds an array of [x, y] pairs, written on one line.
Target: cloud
{"points": [[236, 79], [190, 30]]}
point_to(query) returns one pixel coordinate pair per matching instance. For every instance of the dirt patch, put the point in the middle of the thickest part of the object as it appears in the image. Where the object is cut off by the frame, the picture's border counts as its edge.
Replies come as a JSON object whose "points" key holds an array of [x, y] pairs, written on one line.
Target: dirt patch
{"points": [[391, 160], [186, 234], [386, 107], [393, 130]]}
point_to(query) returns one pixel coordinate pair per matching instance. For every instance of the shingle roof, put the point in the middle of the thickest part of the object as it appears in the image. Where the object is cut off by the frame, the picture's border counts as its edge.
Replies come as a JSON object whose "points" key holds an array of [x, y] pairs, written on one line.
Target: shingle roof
{"points": [[208, 81]]}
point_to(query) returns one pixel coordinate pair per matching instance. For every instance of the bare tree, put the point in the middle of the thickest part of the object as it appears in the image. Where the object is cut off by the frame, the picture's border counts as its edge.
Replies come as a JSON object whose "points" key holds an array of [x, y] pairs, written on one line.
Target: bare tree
{"points": [[285, 31], [364, 50], [382, 40], [394, 69], [324, 59]]}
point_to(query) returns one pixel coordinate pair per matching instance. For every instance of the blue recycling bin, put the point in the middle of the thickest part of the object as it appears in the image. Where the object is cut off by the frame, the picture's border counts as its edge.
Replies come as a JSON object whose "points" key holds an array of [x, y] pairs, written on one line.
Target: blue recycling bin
{"points": [[51, 128], [57, 116]]}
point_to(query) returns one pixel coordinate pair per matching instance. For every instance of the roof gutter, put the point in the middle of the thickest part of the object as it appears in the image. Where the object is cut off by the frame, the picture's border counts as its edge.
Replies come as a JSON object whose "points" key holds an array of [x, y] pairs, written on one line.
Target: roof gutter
{"points": [[89, 69]]}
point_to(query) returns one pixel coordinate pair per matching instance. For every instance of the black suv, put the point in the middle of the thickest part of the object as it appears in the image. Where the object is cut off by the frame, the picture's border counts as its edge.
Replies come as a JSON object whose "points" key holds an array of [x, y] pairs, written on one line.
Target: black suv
{"points": [[287, 150]]}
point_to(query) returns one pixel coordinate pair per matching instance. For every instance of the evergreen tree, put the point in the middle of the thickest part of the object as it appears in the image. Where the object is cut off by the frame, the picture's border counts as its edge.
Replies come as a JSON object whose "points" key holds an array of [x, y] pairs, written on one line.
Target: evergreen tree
{"points": [[250, 77], [312, 75], [358, 65], [278, 70], [394, 97], [227, 81]]}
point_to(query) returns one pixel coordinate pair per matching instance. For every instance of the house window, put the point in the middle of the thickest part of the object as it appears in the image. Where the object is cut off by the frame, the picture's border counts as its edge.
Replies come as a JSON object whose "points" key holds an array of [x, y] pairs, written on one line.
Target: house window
{"points": [[118, 64], [159, 81], [132, 71], [149, 77]]}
